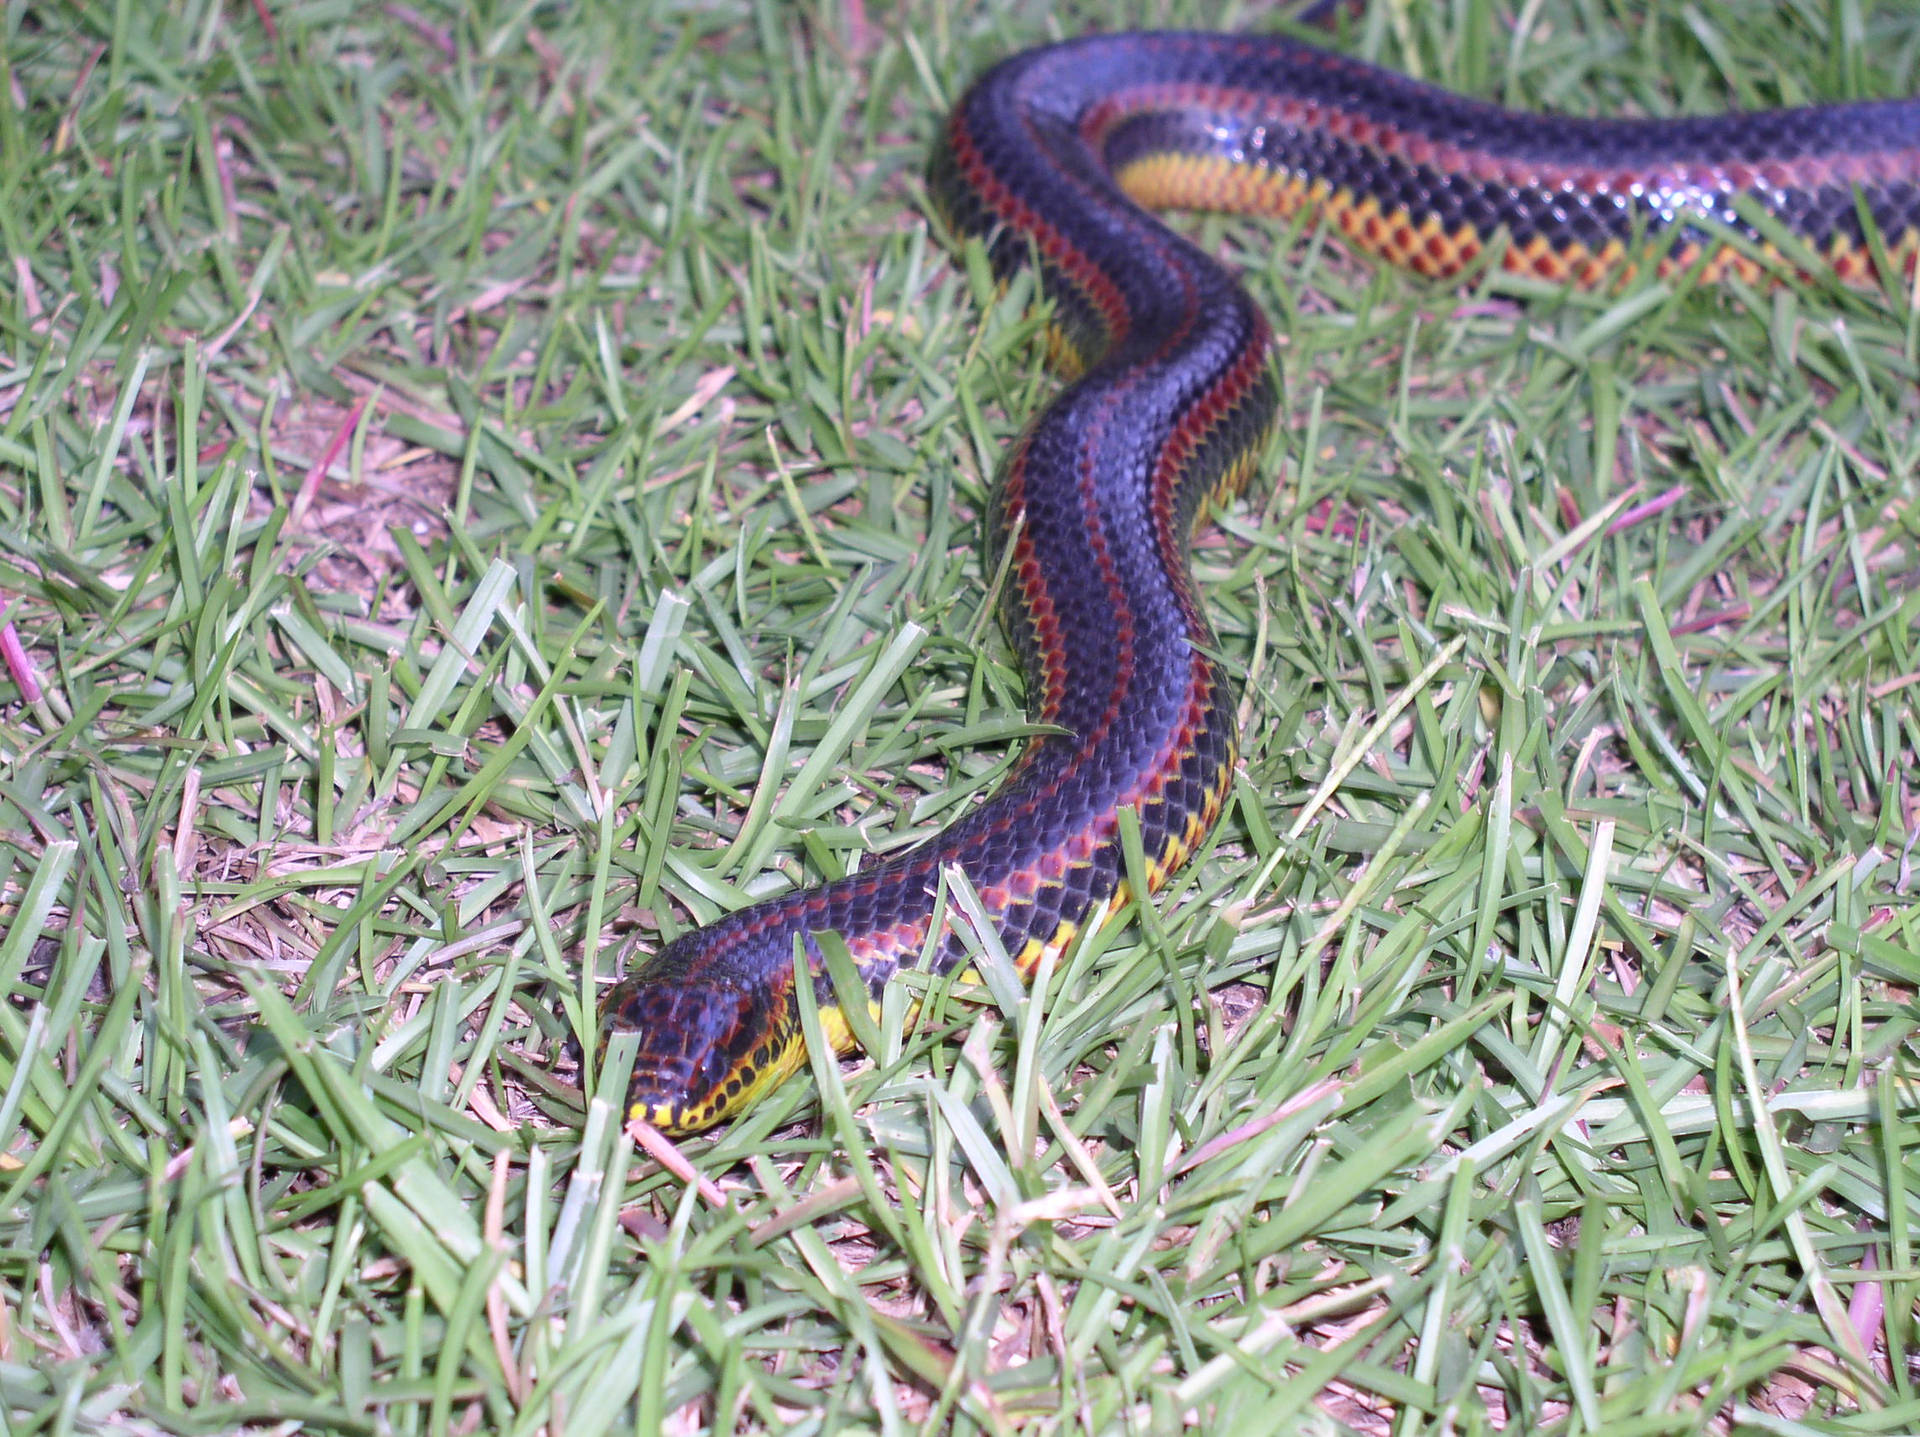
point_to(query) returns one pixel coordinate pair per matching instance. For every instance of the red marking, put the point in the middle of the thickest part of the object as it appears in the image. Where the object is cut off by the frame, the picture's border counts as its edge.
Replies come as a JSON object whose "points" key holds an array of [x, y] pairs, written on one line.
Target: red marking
{"points": [[887, 942], [1003, 888], [1014, 212], [1839, 169]]}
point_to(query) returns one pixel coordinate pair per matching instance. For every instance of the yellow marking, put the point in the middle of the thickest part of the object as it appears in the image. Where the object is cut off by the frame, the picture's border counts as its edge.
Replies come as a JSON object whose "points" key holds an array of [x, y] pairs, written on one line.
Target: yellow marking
{"points": [[748, 1080], [1241, 468], [771, 1063], [1036, 950], [1063, 355], [1214, 182]]}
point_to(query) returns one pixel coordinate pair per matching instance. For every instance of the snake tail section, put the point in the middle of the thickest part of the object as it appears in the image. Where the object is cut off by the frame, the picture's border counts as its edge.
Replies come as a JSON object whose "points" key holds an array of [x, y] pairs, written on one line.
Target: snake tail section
{"points": [[1048, 159]]}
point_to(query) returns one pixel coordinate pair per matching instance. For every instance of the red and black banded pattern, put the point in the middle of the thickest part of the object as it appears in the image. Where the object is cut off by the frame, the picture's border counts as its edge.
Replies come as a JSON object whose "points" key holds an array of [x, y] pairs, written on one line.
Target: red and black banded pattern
{"points": [[1048, 159]]}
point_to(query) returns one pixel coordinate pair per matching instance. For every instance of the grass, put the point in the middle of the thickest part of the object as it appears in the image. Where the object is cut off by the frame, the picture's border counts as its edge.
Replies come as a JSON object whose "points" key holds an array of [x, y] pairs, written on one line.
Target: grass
{"points": [[483, 486]]}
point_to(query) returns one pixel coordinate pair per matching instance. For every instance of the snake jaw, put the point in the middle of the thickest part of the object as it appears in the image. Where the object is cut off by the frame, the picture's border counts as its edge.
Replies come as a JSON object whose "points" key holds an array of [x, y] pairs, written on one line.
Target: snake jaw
{"points": [[698, 1064]]}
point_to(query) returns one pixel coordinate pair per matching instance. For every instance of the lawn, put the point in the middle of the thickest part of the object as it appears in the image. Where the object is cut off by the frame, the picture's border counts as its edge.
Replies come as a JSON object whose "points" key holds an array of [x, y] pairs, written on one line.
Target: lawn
{"points": [[484, 488]]}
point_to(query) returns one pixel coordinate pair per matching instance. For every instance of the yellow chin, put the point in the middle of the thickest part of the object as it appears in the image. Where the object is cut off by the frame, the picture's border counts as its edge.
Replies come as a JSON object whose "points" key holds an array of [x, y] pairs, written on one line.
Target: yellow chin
{"points": [[746, 1082]]}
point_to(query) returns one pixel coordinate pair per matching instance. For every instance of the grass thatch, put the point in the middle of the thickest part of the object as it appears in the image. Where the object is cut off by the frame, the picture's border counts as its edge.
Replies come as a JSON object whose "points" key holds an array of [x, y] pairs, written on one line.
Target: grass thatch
{"points": [[477, 484]]}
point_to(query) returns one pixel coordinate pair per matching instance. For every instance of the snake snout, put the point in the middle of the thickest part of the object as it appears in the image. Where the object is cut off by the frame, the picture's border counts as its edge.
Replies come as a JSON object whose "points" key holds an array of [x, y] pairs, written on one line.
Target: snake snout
{"points": [[707, 1048]]}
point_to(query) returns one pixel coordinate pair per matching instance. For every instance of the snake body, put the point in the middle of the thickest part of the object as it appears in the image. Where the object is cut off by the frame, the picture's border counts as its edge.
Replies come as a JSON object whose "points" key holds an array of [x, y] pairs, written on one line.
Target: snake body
{"points": [[1049, 159]]}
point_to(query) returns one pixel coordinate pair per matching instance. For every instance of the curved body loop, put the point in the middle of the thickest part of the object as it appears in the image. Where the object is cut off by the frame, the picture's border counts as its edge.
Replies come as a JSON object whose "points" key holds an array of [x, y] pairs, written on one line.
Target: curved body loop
{"points": [[1050, 159]]}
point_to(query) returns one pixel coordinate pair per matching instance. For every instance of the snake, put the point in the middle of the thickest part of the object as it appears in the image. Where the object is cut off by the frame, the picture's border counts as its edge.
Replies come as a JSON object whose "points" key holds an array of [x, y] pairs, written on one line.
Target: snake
{"points": [[1052, 161]]}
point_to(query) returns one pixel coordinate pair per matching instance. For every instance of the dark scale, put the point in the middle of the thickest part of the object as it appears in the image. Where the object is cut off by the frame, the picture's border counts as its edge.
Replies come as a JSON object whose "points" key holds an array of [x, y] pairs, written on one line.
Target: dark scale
{"points": [[1560, 212], [1102, 608]]}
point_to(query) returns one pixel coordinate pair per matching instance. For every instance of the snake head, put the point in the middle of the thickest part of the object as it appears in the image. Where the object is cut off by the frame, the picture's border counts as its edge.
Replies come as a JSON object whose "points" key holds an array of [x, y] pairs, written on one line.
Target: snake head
{"points": [[708, 1047]]}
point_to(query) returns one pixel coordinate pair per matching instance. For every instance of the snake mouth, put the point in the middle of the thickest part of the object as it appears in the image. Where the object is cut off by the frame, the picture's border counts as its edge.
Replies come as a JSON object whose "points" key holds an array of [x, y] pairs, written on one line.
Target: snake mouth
{"points": [[707, 1048]]}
